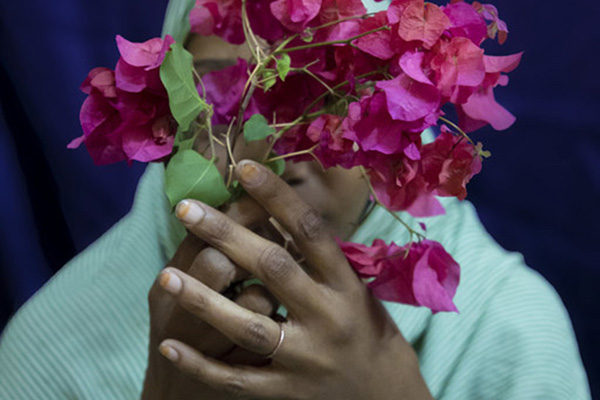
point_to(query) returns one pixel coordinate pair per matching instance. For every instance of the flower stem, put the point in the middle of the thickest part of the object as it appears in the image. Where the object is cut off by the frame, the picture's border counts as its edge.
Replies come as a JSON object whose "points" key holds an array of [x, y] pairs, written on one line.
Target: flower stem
{"points": [[332, 42], [453, 125], [290, 155], [411, 231]]}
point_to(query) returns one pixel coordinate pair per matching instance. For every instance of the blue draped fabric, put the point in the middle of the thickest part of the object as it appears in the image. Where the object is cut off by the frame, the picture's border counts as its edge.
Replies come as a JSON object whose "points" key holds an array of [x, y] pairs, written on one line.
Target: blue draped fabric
{"points": [[539, 193], [54, 201]]}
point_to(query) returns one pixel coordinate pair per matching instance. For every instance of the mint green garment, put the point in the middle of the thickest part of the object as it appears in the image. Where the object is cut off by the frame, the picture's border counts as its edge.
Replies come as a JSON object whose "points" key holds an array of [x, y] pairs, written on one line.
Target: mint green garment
{"points": [[85, 334]]}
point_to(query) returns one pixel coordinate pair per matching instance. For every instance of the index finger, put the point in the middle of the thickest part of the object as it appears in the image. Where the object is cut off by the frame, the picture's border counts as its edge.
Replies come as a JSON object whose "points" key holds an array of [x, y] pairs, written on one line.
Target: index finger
{"points": [[304, 223]]}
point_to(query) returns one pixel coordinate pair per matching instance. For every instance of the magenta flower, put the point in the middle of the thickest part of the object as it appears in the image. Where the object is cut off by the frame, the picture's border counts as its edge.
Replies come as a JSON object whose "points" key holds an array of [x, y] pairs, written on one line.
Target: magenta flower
{"points": [[458, 67], [418, 21], [224, 18], [419, 274], [466, 22], [333, 149], [295, 14], [449, 163], [126, 115]]}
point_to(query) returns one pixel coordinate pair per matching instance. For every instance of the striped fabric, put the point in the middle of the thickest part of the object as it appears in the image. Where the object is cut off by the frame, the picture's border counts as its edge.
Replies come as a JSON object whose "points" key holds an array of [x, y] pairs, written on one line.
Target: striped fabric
{"points": [[85, 334]]}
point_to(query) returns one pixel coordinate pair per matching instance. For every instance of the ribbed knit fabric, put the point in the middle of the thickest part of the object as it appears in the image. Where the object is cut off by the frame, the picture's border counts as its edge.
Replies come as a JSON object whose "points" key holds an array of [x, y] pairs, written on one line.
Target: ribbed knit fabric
{"points": [[85, 334]]}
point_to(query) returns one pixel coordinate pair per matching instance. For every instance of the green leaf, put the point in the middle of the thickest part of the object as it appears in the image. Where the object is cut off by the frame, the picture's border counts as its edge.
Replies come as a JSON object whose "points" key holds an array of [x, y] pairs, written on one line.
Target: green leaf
{"points": [[176, 74], [277, 166], [184, 140], [283, 66], [257, 128], [270, 79], [191, 176]]}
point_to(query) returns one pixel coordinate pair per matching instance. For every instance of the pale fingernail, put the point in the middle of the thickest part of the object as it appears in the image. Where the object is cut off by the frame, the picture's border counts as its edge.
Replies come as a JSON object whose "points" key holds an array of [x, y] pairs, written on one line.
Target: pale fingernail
{"points": [[168, 352], [250, 173], [170, 282], [189, 212]]}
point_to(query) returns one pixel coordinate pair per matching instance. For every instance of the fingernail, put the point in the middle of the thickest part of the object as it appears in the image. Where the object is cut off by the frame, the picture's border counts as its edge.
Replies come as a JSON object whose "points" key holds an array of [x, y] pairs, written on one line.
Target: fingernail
{"points": [[170, 353], [189, 212], [250, 173], [170, 282]]}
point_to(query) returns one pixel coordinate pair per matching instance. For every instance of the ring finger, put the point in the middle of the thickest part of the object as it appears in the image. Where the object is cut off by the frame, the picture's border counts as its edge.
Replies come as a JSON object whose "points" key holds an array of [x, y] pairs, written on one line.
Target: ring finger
{"points": [[251, 331]]}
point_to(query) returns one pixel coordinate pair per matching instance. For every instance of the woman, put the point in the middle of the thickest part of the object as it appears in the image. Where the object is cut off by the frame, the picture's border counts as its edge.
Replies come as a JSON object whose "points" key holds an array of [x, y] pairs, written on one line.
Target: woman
{"points": [[84, 335]]}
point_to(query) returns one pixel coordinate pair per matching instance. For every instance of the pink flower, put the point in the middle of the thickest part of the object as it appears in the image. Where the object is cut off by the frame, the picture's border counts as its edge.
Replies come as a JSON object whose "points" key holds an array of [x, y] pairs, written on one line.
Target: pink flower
{"points": [[419, 274], [333, 149], [466, 22], [126, 115], [137, 69], [377, 44], [481, 108], [449, 163], [497, 26], [459, 68], [224, 91], [400, 185], [410, 100], [295, 14], [418, 21], [373, 128], [224, 18]]}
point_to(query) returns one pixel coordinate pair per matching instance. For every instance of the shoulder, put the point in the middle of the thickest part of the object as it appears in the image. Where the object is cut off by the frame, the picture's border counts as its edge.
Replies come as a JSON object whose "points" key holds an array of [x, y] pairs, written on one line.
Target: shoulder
{"points": [[88, 326], [513, 337]]}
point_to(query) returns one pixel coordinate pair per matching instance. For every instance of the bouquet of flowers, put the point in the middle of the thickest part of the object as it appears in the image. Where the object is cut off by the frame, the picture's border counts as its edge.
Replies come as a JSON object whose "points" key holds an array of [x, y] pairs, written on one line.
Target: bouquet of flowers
{"points": [[328, 82]]}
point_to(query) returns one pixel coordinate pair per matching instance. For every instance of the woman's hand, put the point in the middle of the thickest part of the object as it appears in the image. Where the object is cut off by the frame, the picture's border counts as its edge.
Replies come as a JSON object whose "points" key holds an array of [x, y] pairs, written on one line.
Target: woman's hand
{"points": [[169, 320], [339, 341]]}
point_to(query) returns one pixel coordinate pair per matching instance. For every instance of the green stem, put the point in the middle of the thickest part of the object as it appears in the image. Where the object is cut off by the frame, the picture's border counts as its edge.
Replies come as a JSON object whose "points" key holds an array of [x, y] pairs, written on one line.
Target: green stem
{"points": [[453, 125], [332, 42], [290, 155]]}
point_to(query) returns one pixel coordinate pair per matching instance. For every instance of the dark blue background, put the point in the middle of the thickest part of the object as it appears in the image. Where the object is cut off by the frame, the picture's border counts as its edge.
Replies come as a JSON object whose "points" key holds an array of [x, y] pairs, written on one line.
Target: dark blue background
{"points": [[539, 194]]}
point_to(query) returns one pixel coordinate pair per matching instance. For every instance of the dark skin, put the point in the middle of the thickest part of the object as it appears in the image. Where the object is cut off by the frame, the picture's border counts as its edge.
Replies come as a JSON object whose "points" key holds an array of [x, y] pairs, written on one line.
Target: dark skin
{"points": [[339, 343]]}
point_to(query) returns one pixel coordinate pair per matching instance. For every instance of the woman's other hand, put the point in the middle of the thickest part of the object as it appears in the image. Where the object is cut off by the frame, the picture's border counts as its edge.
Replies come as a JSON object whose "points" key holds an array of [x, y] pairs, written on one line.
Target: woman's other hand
{"points": [[338, 342]]}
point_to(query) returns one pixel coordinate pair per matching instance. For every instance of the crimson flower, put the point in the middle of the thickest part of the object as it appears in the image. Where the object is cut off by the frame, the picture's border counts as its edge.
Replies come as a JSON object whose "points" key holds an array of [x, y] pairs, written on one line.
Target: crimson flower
{"points": [[126, 115], [419, 274]]}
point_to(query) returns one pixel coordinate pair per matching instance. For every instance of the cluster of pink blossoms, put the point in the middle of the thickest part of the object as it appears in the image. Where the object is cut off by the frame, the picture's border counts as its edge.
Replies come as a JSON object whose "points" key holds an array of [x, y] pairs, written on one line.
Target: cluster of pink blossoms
{"points": [[404, 65], [126, 115], [361, 91], [423, 58]]}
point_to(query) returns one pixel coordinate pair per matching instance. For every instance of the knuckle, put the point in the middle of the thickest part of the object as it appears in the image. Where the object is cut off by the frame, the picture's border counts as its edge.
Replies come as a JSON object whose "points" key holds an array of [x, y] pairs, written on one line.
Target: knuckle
{"points": [[275, 263], [196, 303], [311, 226], [220, 230], [254, 336], [235, 386], [213, 269]]}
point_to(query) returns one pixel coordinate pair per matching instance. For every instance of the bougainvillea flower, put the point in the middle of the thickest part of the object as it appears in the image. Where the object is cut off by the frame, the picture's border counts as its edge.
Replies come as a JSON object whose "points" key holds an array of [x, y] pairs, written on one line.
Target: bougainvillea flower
{"points": [[224, 90], [224, 18], [459, 68], [373, 129], [417, 20], [419, 274], [327, 130], [137, 69], [466, 22], [127, 116], [400, 184], [377, 44], [449, 163], [497, 26], [482, 109], [410, 100], [411, 62], [295, 14]]}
